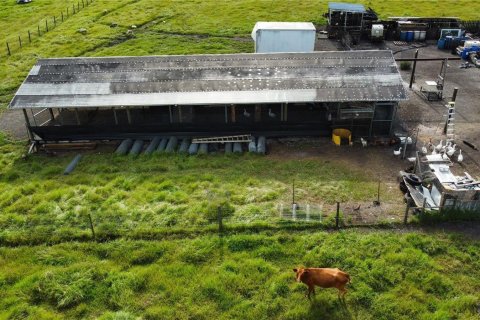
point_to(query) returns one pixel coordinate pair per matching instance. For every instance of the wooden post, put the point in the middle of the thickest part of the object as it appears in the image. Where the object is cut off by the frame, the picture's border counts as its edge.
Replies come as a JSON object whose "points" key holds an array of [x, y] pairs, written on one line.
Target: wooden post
{"points": [[67, 12], [232, 113], [8, 49], [46, 25], [29, 37], [293, 192], [337, 216], [220, 220], [78, 6], [91, 227], [115, 116], [424, 204], [412, 77], [73, 7], [20, 41], [39, 34], [405, 219], [62, 16]]}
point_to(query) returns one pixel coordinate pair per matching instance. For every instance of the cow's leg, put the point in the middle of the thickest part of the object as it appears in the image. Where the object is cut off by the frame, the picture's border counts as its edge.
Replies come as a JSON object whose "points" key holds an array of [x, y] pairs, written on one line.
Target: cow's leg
{"points": [[310, 290]]}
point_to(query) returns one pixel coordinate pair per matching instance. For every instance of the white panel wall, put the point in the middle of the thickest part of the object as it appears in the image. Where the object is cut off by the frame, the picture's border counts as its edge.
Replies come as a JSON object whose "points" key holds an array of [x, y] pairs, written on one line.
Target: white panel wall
{"points": [[285, 41]]}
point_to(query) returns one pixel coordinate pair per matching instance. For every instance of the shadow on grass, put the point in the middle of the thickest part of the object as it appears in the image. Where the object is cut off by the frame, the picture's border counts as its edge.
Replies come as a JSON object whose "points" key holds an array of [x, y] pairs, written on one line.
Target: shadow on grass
{"points": [[327, 307]]}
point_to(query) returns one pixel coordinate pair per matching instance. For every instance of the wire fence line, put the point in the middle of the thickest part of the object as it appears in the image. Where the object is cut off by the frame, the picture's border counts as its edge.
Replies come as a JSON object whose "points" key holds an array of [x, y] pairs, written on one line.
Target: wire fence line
{"points": [[25, 38]]}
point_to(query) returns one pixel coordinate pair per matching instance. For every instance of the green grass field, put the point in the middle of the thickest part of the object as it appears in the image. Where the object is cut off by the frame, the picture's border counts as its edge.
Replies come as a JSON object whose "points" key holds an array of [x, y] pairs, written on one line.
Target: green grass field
{"points": [[50, 270], [164, 27], [394, 276]]}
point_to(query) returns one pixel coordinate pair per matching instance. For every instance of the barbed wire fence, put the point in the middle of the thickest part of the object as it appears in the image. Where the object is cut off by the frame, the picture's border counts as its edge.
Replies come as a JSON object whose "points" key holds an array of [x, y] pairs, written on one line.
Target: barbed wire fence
{"points": [[25, 38]]}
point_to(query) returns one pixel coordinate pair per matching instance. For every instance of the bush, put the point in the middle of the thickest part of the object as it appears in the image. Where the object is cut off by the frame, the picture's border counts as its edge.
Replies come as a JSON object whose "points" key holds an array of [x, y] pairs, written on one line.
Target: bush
{"points": [[405, 65]]}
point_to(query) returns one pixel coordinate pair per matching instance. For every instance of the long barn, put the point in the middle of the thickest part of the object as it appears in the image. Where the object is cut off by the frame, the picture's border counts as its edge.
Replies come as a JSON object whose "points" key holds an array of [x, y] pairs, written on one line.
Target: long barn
{"points": [[274, 94]]}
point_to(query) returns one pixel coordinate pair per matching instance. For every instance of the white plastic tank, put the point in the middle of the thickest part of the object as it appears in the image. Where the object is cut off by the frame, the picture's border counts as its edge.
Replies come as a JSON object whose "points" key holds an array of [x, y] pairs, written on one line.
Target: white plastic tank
{"points": [[472, 43], [284, 37], [377, 31], [423, 35], [416, 35]]}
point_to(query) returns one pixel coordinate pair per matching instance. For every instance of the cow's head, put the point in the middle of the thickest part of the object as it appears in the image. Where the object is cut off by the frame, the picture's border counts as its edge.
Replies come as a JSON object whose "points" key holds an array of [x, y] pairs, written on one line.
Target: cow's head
{"points": [[300, 272]]}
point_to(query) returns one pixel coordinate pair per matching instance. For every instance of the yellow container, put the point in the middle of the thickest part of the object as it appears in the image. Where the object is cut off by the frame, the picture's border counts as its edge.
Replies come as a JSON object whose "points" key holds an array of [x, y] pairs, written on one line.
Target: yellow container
{"points": [[339, 134]]}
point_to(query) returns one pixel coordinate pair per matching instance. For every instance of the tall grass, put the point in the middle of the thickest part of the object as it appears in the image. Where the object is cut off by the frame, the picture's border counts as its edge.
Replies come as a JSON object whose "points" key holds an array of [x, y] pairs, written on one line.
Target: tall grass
{"points": [[394, 276]]}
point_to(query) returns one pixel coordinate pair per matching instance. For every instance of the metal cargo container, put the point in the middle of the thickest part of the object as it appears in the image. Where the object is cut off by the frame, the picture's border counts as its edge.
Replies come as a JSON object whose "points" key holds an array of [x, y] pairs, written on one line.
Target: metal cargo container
{"points": [[284, 37]]}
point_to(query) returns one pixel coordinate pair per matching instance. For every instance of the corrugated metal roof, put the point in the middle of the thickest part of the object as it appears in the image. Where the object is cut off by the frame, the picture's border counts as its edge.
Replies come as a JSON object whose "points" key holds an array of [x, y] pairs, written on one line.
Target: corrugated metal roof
{"points": [[282, 26], [326, 76], [349, 7]]}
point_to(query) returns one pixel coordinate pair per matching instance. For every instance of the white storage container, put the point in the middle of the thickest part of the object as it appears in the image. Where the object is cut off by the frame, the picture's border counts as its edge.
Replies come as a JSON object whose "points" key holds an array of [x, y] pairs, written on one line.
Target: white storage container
{"points": [[284, 37]]}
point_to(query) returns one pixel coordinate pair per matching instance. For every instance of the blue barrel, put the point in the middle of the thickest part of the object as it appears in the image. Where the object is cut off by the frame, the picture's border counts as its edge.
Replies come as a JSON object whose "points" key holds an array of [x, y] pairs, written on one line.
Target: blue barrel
{"points": [[441, 43], [410, 36], [403, 36]]}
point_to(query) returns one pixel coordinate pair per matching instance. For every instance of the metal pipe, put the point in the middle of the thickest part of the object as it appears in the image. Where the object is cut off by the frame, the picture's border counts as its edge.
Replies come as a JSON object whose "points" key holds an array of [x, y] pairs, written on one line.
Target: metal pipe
{"points": [[252, 146], [262, 145], [426, 59], [228, 147], [203, 148], [153, 145], [136, 148], [162, 144], [193, 149], [171, 145], [237, 147], [184, 145], [72, 165], [124, 147]]}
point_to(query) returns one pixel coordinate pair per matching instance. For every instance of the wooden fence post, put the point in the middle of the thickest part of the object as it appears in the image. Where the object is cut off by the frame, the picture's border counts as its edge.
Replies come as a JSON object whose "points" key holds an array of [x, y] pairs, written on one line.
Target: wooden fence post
{"points": [[62, 16], [407, 209], [20, 41], [91, 227], [8, 49], [73, 7], [220, 220], [67, 12], [29, 37], [54, 21], [46, 25], [337, 216], [83, 4], [38, 27]]}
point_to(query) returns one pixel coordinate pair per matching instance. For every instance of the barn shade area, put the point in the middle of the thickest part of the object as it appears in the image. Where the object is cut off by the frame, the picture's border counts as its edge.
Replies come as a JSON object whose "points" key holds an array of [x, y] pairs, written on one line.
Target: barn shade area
{"points": [[272, 94]]}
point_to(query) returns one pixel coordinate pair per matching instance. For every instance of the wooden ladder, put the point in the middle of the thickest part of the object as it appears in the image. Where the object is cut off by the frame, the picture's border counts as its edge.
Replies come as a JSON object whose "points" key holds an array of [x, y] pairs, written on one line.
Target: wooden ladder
{"points": [[224, 139]]}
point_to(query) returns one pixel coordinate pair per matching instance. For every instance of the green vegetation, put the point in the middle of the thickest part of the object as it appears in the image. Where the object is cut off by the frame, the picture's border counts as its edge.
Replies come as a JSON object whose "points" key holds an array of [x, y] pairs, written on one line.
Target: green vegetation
{"points": [[164, 27], [154, 194], [394, 276], [239, 276]]}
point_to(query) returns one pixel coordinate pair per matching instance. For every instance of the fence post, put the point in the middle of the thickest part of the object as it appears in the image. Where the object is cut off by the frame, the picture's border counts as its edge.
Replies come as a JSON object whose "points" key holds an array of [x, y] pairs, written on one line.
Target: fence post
{"points": [[220, 220], [91, 227], [407, 209], [20, 41], [83, 4], [67, 12], [308, 212], [62, 16], [38, 27], [424, 204], [54, 21], [337, 216], [46, 25], [29, 37], [8, 49], [73, 7]]}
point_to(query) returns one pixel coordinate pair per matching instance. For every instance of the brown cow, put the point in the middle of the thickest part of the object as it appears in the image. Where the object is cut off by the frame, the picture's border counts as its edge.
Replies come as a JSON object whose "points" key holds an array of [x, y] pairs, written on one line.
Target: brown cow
{"points": [[324, 278]]}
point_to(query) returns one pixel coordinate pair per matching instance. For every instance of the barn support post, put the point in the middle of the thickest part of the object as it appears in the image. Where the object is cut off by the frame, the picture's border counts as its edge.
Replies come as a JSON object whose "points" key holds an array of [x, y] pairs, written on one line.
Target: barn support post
{"points": [[27, 124], [170, 113], [232, 113], [52, 117], [77, 116], [412, 77], [33, 116], [285, 112], [180, 118], [226, 114], [258, 113], [281, 111], [115, 117], [129, 116]]}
